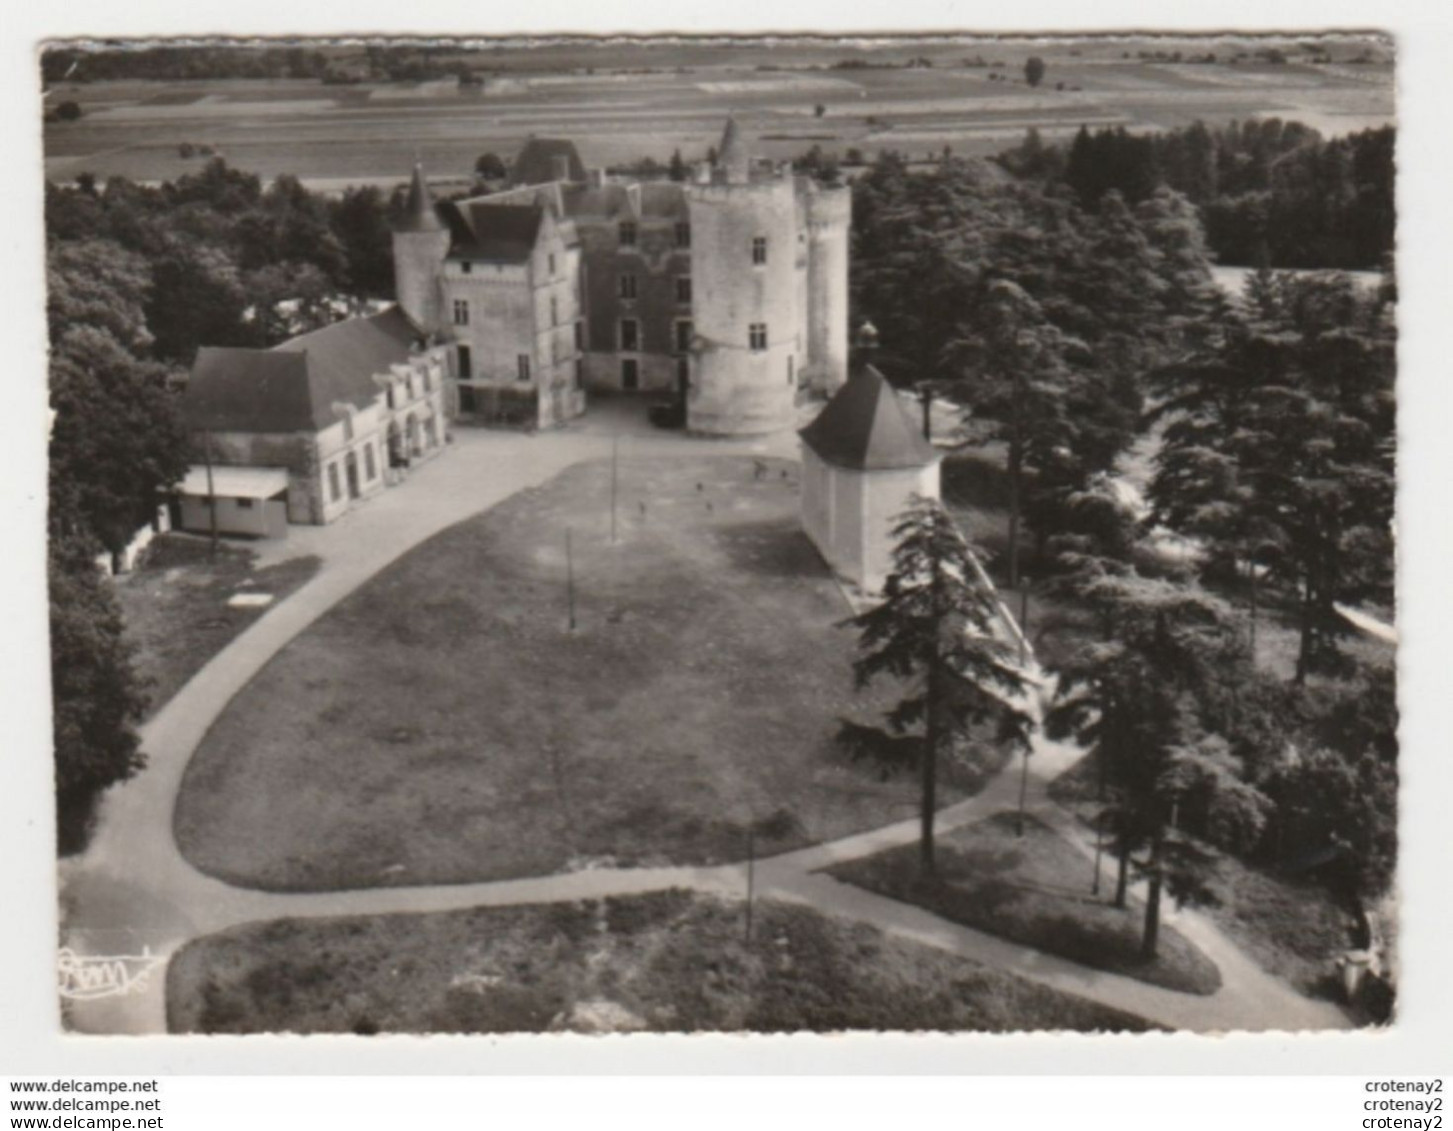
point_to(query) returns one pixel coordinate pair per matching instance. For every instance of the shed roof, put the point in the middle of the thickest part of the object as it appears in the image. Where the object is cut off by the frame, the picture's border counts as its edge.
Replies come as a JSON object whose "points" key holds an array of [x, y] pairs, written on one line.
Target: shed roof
{"points": [[235, 482], [501, 233], [296, 386], [864, 427]]}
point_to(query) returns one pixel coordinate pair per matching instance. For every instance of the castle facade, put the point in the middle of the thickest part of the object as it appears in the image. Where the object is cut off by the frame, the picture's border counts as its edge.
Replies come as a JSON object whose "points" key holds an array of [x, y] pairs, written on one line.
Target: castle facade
{"points": [[727, 291]]}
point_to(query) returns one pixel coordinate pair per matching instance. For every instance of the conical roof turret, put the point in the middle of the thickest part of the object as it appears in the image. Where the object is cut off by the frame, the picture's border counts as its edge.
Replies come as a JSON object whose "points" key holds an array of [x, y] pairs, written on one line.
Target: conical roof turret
{"points": [[732, 155], [419, 214]]}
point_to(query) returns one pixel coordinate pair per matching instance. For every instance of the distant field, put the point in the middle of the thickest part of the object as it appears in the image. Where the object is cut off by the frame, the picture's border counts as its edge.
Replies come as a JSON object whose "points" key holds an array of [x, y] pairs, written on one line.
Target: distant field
{"points": [[336, 135]]}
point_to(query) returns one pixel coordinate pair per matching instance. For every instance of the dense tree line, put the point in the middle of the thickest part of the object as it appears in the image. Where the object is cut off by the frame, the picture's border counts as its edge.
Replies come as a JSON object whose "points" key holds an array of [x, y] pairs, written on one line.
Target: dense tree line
{"points": [[1070, 328], [223, 251], [192, 62], [1269, 191], [137, 279], [1036, 313]]}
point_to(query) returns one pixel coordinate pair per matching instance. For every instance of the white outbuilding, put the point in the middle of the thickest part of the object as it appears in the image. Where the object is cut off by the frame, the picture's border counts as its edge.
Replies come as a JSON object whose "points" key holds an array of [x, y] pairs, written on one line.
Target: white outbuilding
{"points": [[863, 459]]}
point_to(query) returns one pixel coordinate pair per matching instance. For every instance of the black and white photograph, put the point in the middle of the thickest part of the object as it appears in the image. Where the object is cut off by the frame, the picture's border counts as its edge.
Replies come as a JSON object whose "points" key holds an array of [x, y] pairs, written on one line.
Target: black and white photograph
{"points": [[704, 534]]}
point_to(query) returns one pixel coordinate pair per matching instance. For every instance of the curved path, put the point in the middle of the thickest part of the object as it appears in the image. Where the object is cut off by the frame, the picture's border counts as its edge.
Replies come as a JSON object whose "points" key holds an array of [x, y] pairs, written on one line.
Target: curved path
{"points": [[133, 892]]}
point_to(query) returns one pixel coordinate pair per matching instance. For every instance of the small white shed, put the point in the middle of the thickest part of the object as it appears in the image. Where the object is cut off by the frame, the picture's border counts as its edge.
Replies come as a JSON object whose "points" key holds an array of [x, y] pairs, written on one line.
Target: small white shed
{"points": [[863, 459], [248, 500]]}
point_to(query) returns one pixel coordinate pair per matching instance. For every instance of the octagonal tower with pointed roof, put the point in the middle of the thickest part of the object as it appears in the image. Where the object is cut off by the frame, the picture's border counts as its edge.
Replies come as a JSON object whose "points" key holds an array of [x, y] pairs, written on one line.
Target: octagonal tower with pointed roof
{"points": [[863, 459], [420, 243]]}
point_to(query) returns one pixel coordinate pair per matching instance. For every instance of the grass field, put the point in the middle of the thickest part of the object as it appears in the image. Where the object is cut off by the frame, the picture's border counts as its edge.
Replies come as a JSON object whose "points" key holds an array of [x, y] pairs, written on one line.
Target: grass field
{"points": [[332, 135], [1293, 929], [443, 724], [176, 610], [668, 962], [1033, 890]]}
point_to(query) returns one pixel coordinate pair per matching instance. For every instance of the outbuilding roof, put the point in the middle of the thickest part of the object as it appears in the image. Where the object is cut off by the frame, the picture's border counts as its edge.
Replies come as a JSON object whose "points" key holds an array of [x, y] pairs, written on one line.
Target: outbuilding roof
{"points": [[864, 427], [299, 385], [235, 482]]}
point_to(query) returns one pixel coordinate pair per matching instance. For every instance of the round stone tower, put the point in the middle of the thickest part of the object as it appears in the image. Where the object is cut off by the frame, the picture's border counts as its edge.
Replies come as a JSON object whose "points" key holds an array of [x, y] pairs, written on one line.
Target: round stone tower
{"points": [[829, 218], [744, 296], [420, 243]]}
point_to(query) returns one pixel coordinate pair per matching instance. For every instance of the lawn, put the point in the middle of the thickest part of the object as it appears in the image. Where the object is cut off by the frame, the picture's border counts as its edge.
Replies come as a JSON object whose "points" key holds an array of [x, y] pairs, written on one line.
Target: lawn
{"points": [[667, 962], [1032, 890], [1292, 929], [176, 610], [444, 724]]}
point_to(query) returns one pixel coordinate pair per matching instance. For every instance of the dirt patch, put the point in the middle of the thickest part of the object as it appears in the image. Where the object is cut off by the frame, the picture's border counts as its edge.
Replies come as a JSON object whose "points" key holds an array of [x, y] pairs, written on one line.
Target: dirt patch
{"points": [[181, 605]]}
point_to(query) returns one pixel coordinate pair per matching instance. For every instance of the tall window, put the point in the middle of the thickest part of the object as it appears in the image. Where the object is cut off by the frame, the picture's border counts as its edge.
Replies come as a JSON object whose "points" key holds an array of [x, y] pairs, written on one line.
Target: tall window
{"points": [[554, 311], [628, 233], [757, 335], [683, 335], [759, 250], [630, 373], [461, 312], [524, 365], [552, 264], [630, 334], [466, 371], [335, 490], [628, 286], [370, 468], [580, 335], [683, 234], [683, 288]]}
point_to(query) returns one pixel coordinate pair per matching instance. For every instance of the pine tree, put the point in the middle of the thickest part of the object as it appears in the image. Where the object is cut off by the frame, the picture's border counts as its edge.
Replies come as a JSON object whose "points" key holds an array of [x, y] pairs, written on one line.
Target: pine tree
{"points": [[935, 631], [1143, 703]]}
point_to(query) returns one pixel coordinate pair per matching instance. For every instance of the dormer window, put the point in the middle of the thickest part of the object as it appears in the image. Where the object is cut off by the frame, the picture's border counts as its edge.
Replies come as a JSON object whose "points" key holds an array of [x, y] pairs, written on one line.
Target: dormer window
{"points": [[466, 268], [628, 233]]}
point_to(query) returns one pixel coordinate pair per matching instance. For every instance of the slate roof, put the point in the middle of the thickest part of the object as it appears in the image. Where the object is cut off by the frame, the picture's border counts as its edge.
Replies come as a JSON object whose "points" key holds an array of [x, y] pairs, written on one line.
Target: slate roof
{"points": [[500, 233], [294, 387], [864, 427], [661, 199], [732, 154], [535, 164], [419, 213]]}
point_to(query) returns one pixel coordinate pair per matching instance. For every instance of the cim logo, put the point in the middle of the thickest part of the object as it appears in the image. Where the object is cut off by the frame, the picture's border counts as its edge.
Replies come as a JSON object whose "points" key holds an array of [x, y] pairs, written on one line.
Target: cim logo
{"points": [[85, 977]]}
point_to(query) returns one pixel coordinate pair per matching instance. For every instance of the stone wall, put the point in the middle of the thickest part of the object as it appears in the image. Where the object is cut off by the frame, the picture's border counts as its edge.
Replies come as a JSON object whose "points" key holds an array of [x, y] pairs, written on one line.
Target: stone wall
{"points": [[736, 389], [418, 260], [829, 218]]}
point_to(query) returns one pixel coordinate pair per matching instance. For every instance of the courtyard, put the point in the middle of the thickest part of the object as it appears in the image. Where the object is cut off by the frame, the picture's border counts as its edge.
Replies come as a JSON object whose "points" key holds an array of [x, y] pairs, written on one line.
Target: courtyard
{"points": [[446, 723]]}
